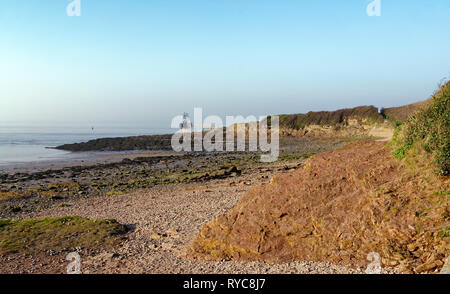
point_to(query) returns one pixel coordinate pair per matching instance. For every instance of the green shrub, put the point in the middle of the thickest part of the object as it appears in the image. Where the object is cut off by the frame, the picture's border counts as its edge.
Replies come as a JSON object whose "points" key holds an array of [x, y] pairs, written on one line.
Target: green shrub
{"points": [[444, 233], [400, 152], [429, 127]]}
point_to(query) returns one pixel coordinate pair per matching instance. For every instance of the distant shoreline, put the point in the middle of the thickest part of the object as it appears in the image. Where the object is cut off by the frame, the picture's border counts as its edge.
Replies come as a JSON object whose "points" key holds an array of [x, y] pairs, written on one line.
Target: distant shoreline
{"points": [[146, 142]]}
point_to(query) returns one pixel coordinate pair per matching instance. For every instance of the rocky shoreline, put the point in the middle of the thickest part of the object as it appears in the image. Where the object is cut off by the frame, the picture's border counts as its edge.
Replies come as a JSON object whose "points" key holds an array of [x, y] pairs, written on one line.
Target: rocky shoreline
{"points": [[163, 222], [25, 192], [164, 200]]}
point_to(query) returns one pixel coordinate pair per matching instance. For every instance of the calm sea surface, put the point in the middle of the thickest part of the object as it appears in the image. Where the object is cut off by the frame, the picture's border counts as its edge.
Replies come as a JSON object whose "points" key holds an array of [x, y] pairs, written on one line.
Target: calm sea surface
{"points": [[28, 144]]}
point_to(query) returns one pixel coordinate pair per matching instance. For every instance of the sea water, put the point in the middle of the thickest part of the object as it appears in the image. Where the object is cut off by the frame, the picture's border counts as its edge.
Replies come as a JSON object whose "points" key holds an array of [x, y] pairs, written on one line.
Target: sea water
{"points": [[22, 144]]}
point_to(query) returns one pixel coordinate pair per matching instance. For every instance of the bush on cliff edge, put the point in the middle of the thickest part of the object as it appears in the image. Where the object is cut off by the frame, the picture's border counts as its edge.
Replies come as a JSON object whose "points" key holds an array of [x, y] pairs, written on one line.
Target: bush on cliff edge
{"points": [[427, 130]]}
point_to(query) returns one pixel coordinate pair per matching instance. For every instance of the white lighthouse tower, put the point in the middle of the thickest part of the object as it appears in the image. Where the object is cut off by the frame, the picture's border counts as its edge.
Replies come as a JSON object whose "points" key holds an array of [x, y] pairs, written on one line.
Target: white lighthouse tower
{"points": [[185, 124]]}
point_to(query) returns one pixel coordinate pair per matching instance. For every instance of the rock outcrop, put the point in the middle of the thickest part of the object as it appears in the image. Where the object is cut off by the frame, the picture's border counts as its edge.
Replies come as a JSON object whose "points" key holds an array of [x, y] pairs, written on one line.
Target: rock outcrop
{"points": [[351, 122]]}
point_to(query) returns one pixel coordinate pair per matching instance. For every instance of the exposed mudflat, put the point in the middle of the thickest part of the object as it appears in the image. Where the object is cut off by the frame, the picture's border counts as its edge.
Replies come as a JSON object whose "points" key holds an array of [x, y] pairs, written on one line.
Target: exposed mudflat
{"points": [[79, 159], [30, 190]]}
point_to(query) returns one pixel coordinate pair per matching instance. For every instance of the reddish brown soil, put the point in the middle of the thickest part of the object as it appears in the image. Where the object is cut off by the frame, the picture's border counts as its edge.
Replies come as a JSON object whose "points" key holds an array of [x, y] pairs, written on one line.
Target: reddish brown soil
{"points": [[343, 205]]}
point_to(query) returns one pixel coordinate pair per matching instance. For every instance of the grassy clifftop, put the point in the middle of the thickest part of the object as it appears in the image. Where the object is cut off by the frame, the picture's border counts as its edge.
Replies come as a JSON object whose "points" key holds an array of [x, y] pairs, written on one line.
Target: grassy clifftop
{"points": [[426, 132], [299, 121]]}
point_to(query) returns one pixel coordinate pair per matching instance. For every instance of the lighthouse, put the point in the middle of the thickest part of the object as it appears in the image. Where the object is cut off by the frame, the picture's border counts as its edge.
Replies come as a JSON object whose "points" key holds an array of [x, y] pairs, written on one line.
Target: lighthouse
{"points": [[185, 124]]}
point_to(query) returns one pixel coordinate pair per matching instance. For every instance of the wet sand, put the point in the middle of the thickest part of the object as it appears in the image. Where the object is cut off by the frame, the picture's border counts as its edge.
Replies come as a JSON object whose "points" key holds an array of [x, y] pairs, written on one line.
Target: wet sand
{"points": [[72, 159]]}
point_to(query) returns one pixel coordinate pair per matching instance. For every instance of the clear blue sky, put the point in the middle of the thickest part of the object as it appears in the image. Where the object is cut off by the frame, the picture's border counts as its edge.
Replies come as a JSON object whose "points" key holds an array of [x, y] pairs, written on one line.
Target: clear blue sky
{"points": [[142, 62]]}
